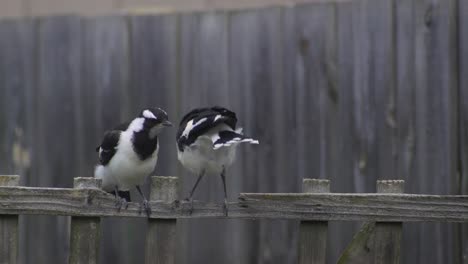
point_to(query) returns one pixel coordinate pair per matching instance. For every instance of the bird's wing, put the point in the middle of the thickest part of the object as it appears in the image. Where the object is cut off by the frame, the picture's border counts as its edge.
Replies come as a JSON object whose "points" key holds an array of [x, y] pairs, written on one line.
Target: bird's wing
{"points": [[228, 138], [108, 146], [198, 121]]}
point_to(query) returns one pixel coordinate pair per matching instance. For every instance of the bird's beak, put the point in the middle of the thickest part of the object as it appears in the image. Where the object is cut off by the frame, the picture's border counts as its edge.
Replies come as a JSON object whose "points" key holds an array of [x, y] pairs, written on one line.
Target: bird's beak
{"points": [[166, 123]]}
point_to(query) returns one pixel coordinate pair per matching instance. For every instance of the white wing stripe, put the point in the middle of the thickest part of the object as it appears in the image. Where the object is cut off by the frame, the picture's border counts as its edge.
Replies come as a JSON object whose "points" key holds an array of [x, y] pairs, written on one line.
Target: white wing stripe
{"points": [[191, 126]]}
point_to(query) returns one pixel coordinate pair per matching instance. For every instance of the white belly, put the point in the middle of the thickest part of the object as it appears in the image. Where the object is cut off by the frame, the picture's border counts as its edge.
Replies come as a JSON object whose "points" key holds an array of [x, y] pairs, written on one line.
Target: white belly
{"points": [[201, 156], [125, 168]]}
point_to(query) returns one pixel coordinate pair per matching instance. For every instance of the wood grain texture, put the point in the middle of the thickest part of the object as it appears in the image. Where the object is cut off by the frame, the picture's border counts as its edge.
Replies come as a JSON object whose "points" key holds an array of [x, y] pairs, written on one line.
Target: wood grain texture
{"points": [[313, 234], [58, 123], [203, 76], [376, 242], [387, 240], [18, 51], [347, 175], [436, 115], [9, 228], [256, 68], [161, 236], [85, 231], [463, 113], [105, 77], [321, 207], [153, 78]]}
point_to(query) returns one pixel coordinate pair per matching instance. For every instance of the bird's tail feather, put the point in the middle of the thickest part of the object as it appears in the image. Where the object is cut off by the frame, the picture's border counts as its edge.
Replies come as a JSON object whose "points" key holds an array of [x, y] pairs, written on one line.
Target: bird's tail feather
{"points": [[229, 138]]}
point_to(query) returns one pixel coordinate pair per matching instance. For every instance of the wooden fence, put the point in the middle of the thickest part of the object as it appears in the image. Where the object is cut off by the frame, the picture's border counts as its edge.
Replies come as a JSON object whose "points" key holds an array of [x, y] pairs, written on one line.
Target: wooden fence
{"points": [[86, 203], [350, 91]]}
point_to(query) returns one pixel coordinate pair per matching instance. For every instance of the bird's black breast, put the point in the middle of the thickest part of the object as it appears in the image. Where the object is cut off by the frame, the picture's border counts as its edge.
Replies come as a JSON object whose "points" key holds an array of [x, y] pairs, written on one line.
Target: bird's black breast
{"points": [[108, 146], [143, 145]]}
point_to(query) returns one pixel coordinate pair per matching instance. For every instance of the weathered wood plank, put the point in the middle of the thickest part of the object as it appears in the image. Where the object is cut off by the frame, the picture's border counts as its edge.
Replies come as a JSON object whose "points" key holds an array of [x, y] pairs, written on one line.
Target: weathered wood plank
{"points": [[203, 75], [57, 143], [313, 234], [85, 231], [18, 44], [387, 238], [376, 242], [320, 207], [436, 120], [9, 227], [153, 77], [463, 113], [346, 177], [104, 105], [161, 235], [256, 68]]}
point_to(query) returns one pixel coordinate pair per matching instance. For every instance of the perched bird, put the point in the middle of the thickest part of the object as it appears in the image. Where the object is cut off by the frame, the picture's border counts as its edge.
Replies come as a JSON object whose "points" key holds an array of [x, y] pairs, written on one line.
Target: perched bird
{"points": [[128, 154], [207, 139]]}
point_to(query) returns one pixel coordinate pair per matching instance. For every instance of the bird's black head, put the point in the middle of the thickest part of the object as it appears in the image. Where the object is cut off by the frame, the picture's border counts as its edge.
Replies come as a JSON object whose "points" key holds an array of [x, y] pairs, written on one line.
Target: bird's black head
{"points": [[155, 119]]}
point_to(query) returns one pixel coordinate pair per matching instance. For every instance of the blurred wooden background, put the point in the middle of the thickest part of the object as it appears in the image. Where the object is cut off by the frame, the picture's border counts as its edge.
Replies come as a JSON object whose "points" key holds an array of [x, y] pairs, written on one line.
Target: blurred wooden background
{"points": [[353, 91]]}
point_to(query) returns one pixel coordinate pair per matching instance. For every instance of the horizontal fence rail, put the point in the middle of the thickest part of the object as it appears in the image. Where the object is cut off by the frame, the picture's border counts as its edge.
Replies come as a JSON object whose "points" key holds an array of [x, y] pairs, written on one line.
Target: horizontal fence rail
{"points": [[93, 202], [379, 241]]}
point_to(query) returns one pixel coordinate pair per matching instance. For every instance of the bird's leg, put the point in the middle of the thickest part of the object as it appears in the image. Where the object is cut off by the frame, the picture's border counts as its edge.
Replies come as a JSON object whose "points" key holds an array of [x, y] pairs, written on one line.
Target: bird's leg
{"points": [[190, 199], [223, 177], [119, 201], [144, 203]]}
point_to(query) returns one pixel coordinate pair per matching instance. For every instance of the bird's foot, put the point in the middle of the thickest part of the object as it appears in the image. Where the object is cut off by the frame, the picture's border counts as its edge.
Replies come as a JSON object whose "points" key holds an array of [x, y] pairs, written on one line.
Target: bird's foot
{"points": [[190, 202], [225, 208], [145, 205], [120, 202]]}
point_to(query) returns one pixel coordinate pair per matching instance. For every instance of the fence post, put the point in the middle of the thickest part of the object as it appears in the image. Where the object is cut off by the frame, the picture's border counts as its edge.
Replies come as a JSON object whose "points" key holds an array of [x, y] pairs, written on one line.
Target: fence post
{"points": [[161, 235], [9, 227], [85, 231], [387, 239], [313, 234]]}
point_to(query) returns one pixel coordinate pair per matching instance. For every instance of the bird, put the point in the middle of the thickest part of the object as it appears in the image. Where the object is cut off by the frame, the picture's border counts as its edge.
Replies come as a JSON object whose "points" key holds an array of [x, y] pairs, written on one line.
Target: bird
{"points": [[128, 153], [207, 139]]}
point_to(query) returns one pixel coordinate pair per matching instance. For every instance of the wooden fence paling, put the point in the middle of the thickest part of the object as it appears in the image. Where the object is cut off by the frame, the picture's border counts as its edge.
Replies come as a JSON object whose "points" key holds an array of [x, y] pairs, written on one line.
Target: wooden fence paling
{"points": [[313, 234], [9, 227], [161, 235], [388, 235], [85, 231]]}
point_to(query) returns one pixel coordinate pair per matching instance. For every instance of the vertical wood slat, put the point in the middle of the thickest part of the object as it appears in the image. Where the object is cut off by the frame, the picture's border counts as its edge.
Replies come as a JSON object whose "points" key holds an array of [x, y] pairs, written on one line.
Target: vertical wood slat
{"points": [[161, 235], [85, 231], [313, 234], [387, 240], [376, 242], [9, 227]]}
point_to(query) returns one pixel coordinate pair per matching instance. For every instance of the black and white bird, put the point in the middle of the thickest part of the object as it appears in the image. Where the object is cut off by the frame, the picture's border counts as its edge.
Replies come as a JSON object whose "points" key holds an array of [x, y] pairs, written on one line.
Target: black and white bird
{"points": [[207, 139], [128, 154]]}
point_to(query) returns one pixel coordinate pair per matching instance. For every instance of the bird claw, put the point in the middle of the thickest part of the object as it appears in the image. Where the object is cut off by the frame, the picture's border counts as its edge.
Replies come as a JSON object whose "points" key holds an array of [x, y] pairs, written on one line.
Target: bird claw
{"points": [[190, 202], [225, 208], [121, 202], [144, 204]]}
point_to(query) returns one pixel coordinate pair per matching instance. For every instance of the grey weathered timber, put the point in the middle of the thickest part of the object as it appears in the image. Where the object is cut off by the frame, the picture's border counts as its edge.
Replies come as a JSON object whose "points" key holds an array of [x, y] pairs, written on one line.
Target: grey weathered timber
{"points": [[256, 67], [85, 231], [9, 227], [104, 105], [153, 77], [161, 235], [387, 240], [313, 234], [405, 113], [17, 107], [293, 206], [436, 121], [346, 178], [56, 132], [463, 112], [376, 242], [203, 79]]}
